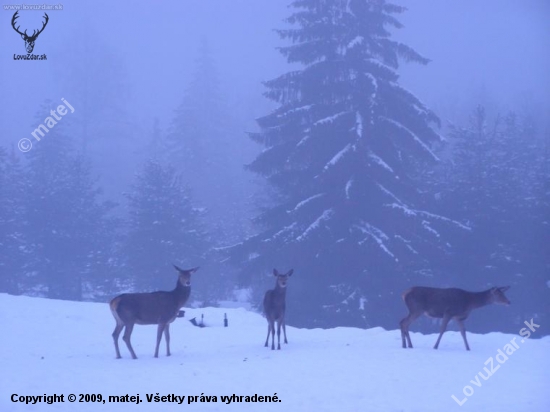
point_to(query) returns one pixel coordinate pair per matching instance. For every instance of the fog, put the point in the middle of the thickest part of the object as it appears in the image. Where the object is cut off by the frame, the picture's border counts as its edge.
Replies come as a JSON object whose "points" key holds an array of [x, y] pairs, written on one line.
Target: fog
{"points": [[143, 77]]}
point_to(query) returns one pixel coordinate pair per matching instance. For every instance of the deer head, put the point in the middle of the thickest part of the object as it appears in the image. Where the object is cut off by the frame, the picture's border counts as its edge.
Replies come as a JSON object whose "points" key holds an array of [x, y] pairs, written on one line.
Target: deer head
{"points": [[282, 278], [185, 275], [29, 40], [498, 297]]}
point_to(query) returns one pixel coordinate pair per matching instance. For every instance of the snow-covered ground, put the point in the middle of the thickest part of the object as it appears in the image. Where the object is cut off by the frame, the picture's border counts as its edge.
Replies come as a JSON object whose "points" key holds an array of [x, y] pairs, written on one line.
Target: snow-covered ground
{"points": [[58, 347]]}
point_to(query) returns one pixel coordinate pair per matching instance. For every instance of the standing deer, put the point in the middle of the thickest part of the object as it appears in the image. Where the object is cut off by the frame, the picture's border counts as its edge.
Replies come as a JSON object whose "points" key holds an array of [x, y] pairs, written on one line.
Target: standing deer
{"points": [[155, 308], [451, 303], [274, 308]]}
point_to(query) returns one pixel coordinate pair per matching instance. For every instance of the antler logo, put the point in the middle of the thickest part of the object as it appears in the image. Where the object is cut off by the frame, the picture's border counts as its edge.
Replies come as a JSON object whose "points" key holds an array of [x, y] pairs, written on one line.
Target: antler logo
{"points": [[29, 40]]}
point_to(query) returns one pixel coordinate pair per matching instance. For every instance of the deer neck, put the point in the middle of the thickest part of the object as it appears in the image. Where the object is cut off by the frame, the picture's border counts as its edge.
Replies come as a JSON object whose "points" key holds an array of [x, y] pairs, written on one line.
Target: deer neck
{"points": [[480, 299], [279, 290], [182, 293]]}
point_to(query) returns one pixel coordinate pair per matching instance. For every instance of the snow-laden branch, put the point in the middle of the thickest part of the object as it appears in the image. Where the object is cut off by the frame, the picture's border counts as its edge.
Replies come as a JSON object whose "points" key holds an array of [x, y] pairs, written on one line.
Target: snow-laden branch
{"points": [[359, 124], [326, 215], [329, 119], [286, 229], [348, 187], [374, 233], [415, 212], [390, 194], [411, 134], [305, 201], [338, 156], [379, 161]]}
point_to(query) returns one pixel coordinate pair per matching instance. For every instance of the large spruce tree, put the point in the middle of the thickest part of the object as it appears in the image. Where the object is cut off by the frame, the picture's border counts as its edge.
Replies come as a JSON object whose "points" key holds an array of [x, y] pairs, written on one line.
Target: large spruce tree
{"points": [[163, 228], [201, 143], [68, 228], [341, 148], [13, 247], [494, 179]]}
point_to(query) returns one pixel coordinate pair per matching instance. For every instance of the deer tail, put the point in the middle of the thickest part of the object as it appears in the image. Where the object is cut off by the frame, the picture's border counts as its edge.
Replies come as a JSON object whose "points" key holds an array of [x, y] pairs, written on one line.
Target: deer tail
{"points": [[113, 305]]}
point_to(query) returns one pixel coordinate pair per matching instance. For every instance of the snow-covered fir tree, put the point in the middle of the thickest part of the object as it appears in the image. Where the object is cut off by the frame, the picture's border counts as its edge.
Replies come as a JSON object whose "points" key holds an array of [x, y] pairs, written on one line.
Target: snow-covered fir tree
{"points": [[69, 229], [202, 145], [493, 180], [13, 246], [163, 228], [340, 149]]}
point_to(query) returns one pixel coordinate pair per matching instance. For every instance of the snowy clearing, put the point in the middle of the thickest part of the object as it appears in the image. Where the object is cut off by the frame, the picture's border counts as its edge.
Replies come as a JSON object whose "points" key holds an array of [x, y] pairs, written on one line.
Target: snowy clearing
{"points": [[60, 347]]}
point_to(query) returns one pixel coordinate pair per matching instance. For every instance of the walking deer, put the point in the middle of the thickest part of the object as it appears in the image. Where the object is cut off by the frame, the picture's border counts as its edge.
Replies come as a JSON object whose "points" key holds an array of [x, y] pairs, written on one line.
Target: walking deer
{"points": [[448, 304], [274, 308], [155, 308]]}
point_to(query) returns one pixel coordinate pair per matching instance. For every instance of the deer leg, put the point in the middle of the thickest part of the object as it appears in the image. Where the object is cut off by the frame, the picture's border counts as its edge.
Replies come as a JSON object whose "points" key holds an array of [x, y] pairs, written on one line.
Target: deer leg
{"points": [[278, 334], [444, 323], [284, 329], [272, 325], [268, 331], [463, 332], [167, 339], [116, 334], [126, 338], [160, 329], [405, 323]]}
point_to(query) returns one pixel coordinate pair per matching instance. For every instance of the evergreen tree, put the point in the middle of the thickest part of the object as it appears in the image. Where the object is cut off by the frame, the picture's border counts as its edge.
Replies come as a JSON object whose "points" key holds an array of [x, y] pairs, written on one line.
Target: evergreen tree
{"points": [[341, 148], [493, 180], [70, 234], [13, 246], [201, 143], [163, 228]]}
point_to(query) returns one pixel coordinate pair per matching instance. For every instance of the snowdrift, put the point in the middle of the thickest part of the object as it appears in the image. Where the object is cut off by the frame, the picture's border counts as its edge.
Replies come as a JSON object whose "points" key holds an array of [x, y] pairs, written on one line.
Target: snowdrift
{"points": [[65, 348]]}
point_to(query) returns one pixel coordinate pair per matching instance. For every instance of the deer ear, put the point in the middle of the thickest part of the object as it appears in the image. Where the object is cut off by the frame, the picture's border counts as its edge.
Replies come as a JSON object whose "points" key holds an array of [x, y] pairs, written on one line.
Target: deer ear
{"points": [[504, 288], [178, 269], [194, 269], [275, 273], [290, 272]]}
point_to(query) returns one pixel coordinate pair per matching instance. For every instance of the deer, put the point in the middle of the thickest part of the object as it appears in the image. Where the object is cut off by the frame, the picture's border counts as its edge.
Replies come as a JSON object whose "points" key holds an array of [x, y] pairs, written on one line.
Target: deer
{"points": [[450, 303], [29, 40], [274, 308], [155, 308]]}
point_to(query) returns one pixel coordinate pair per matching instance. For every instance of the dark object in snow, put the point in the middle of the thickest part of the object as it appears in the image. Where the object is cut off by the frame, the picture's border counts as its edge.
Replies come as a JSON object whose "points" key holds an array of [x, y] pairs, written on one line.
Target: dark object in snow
{"points": [[274, 308], [225, 322], [156, 308], [451, 303], [195, 323], [181, 314]]}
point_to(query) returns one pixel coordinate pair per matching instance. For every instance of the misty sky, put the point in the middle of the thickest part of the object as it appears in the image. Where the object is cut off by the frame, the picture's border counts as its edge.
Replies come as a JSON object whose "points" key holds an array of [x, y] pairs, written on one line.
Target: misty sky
{"points": [[495, 50]]}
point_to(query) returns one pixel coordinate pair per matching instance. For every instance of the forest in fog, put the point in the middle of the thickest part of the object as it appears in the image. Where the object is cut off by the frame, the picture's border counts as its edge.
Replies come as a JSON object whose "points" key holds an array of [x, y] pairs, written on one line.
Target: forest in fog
{"points": [[368, 146]]}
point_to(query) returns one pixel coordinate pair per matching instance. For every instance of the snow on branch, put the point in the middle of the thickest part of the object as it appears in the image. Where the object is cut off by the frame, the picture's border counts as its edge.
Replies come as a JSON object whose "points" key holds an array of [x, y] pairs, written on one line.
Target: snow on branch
{"points": [[381, 65], [374, 233], [410, 133], [338, 156], [281, 232], [407, 243], [326, 215], [430, 229], [443, 218], [359, 124], [305, 201], [356, 41], [303, 140], [378, 160], [348, 187], [390, 194], [405, 209], [329, 119], [414, 212]]}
